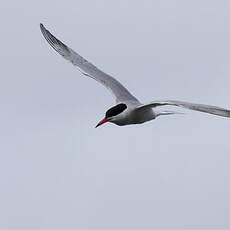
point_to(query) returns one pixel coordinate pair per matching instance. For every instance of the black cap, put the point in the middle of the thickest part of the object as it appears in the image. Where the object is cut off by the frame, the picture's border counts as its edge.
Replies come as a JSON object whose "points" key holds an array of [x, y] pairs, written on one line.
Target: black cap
{"points": [[115, 110]]}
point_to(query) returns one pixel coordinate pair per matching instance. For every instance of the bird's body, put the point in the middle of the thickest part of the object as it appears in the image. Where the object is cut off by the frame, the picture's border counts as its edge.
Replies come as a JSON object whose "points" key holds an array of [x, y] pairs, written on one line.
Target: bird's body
{"points": [[128, 110], [132, 115]]}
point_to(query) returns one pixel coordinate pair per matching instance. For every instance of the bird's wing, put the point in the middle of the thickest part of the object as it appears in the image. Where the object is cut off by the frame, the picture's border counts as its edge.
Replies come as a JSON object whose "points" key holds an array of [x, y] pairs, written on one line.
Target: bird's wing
{"points": [[88, 69], [198, 107]]}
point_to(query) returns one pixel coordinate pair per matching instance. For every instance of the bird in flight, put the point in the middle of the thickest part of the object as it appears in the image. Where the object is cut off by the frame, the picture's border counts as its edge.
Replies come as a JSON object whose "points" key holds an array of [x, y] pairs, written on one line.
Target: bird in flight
{"points": [[128, 110]]}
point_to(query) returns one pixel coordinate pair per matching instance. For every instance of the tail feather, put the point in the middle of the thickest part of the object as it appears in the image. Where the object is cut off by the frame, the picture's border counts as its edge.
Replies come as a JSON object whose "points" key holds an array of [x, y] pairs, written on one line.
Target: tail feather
{"points": [[167, 113], [198, 107]]}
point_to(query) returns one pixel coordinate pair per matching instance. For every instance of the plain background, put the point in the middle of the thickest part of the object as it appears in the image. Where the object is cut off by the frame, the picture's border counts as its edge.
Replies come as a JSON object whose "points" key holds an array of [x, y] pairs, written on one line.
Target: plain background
{"points": [[58, 172]]}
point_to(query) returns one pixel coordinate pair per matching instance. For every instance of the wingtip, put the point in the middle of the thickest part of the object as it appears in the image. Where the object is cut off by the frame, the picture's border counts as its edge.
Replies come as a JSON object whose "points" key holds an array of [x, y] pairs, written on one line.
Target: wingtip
{"points": [[43, 29], [41, 26]]}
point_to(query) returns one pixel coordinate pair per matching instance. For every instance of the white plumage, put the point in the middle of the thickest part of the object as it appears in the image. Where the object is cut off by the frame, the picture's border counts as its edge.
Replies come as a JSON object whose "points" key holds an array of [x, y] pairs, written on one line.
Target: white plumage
{"points": [[134, 112]]}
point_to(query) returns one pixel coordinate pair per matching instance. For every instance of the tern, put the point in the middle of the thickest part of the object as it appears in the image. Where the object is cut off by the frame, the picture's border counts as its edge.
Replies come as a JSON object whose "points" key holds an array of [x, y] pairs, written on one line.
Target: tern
{"points": [[128, 109]]}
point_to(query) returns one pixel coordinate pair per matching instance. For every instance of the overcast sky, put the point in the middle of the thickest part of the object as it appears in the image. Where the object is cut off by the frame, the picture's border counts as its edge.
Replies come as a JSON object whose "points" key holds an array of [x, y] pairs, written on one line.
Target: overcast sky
{"points": [[58, 172]]}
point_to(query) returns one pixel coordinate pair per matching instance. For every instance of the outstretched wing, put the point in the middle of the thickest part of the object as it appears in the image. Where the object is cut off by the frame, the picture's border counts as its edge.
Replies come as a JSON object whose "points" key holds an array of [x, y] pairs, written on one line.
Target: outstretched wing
{"points": [[198, 107], [118, 90]]}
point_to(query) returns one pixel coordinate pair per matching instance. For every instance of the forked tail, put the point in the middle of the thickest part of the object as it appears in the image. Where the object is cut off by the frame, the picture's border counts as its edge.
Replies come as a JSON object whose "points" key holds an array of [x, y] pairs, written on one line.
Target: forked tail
{"points": [[167, 113], [198, 107]]}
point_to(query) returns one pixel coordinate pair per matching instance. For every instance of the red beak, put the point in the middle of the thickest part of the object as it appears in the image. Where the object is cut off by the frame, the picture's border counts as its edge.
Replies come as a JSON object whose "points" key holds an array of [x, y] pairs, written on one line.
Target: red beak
{"points": [[102, 122]]}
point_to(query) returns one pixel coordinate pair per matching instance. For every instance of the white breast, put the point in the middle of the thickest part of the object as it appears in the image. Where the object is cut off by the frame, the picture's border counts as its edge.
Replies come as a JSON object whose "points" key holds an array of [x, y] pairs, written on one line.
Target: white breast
{"points": [[133, 116]]}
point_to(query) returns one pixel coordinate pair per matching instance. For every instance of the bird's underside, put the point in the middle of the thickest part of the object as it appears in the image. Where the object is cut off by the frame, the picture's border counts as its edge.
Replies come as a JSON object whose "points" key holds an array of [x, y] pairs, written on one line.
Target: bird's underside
{"points": [[128, 109]]}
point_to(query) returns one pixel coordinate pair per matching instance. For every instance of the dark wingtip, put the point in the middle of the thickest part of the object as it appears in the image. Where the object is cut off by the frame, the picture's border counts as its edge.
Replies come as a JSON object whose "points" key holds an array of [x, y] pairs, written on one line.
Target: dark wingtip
{"points": [[42, 28]]}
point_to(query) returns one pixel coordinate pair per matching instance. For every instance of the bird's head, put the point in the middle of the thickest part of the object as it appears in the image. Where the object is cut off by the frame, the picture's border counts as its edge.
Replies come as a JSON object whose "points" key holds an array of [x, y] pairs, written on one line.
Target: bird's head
{"points": [[112, 114]]}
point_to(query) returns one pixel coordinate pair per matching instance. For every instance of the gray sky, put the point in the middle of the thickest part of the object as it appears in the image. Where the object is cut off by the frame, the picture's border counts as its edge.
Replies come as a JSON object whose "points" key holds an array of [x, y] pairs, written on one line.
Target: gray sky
{"points": [[58, 172]]}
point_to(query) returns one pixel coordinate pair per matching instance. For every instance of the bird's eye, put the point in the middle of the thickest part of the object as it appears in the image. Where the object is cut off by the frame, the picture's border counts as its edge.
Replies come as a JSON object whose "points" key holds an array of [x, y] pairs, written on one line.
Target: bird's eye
{"points": [[115, 110]]}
